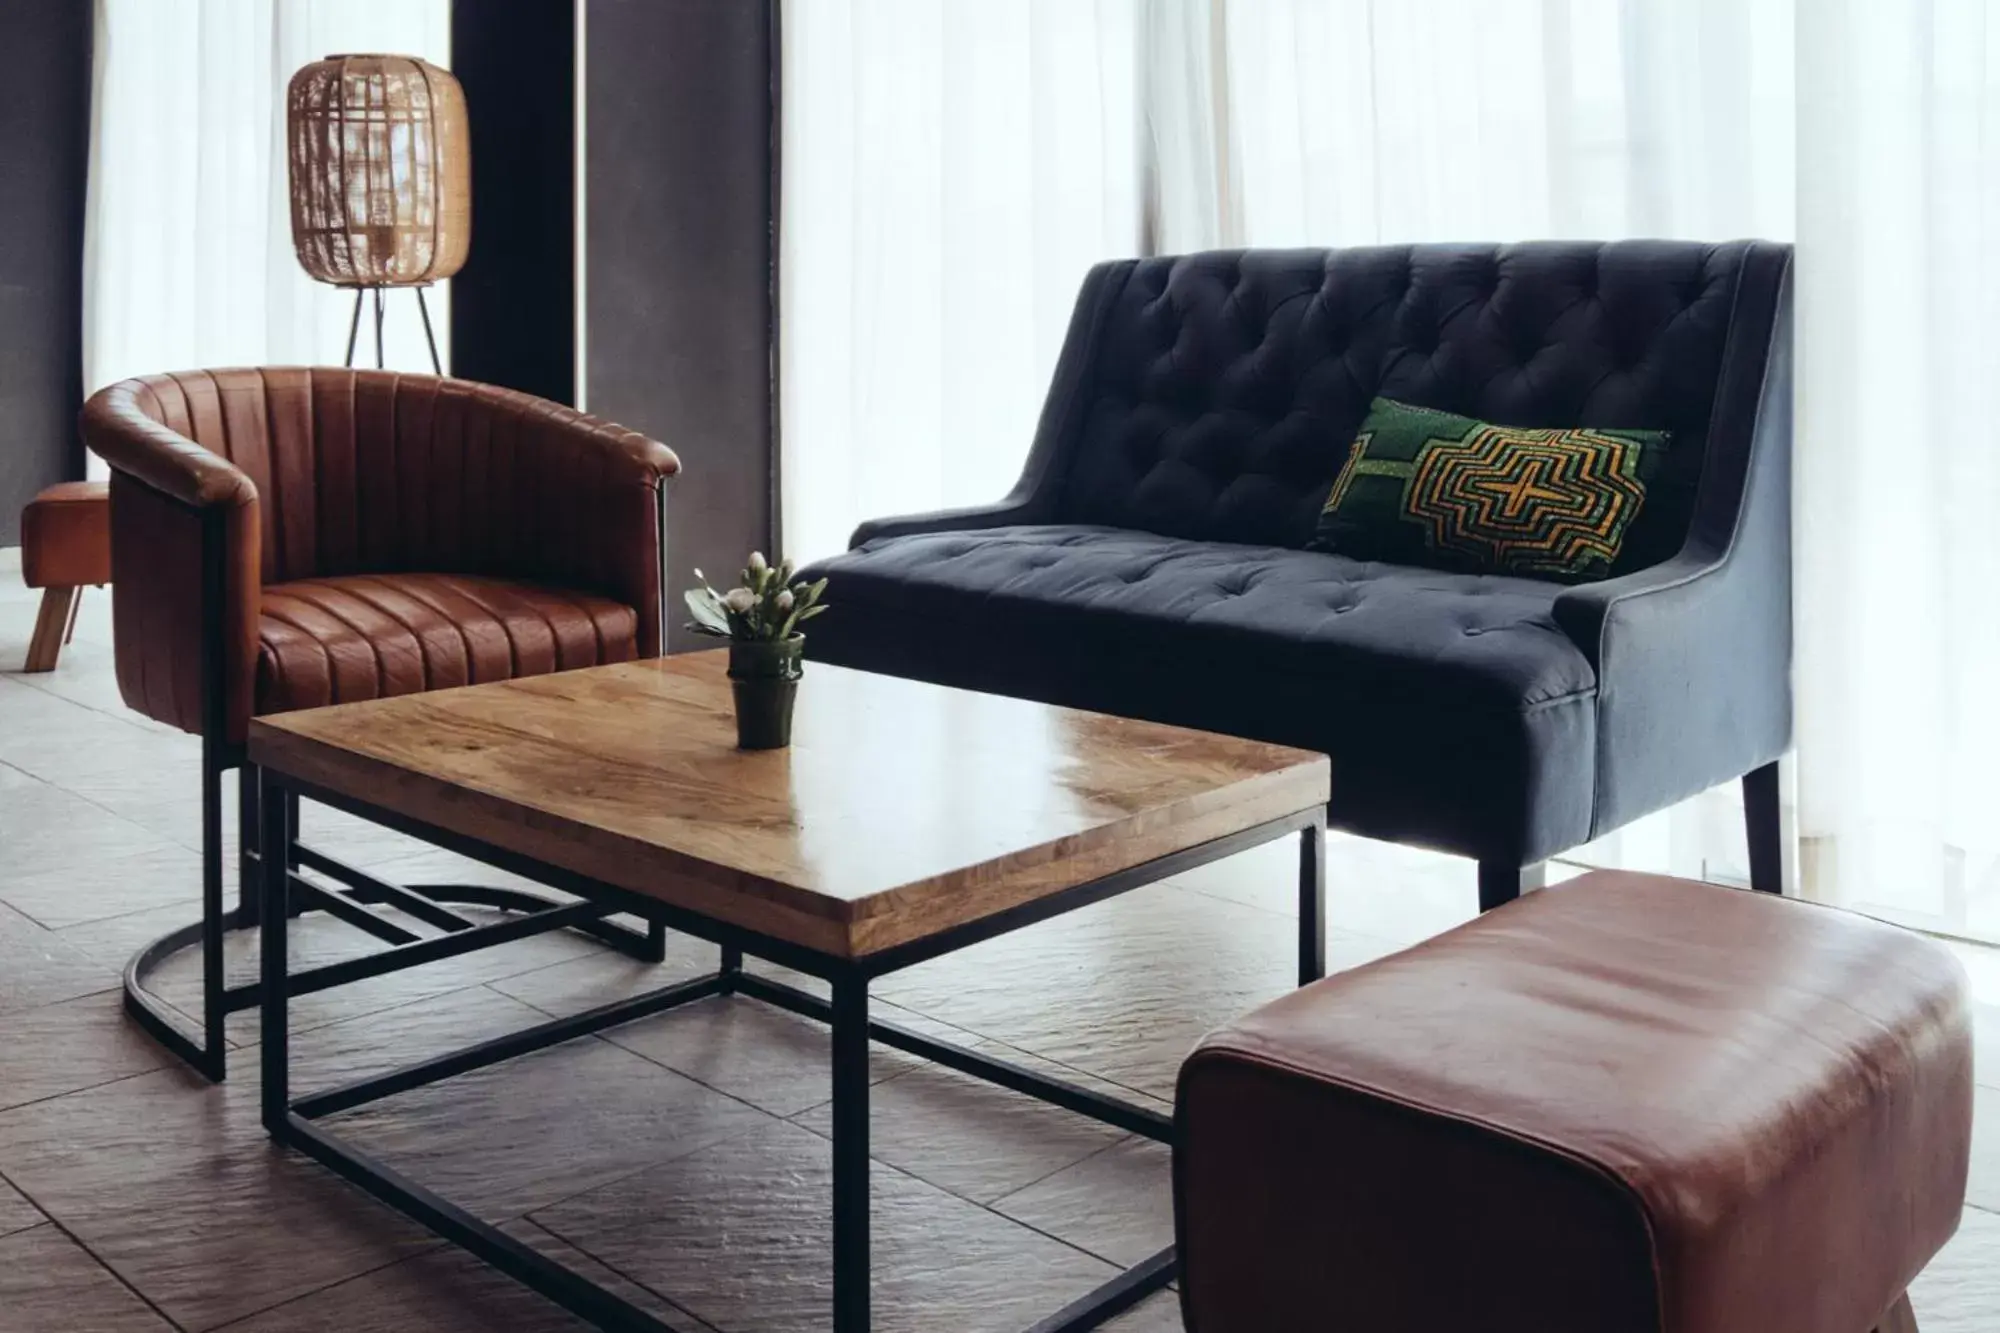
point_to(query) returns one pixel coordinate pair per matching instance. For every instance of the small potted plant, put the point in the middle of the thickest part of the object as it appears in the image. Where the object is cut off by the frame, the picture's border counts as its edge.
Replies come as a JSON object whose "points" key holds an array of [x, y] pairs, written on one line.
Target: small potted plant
{"points": [[761, 620]]}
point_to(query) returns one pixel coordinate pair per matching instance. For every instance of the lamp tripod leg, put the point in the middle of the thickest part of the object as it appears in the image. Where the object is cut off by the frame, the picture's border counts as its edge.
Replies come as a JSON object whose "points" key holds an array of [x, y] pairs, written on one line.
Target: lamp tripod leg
{"points": [[424, 309], [378, 328], [353, 328]]}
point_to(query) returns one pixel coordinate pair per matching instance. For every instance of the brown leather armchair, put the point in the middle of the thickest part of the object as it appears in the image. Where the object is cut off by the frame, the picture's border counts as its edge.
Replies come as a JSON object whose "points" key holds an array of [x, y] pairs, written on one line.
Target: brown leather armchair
{"points": [[289, 538]]}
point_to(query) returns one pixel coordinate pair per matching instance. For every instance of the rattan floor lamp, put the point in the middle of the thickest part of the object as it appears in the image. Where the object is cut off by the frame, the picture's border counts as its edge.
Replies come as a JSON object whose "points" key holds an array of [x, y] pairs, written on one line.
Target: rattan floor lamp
{"points": [[381, 179]]}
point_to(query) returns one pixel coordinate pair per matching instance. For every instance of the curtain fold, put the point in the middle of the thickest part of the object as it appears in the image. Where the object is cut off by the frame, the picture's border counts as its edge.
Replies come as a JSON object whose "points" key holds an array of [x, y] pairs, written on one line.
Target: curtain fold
{"points": [[188, 249], [1898, 475], [950, 172]]}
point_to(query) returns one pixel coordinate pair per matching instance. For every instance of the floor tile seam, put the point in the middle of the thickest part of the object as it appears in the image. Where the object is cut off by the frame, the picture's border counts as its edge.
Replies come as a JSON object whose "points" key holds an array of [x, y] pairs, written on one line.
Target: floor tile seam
{"points": [[103, 1263], [1064, 1065], [577, 1245], [193, 901], [639, 1168], [20, 678], [534, 1214], [86, 798], [1333, 927], [431, 1245], [989, 1205], [702, 1325], [7, 1011], [1011, 1050], [1091, 1156], [1114, 1264], [294, 1030], [11, 1107]]}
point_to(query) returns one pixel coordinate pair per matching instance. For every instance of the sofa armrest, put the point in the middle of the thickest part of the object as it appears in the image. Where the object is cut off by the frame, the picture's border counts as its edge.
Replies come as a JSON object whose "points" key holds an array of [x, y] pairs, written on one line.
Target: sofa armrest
{"points": [[1663, 600], [1003, 514], [1693, 656]]}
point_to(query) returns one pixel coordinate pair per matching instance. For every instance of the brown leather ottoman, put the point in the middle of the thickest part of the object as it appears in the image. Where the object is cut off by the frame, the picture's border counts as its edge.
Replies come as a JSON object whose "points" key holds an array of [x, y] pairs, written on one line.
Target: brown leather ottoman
{"points": [[1629, 1104], [65, 545]]}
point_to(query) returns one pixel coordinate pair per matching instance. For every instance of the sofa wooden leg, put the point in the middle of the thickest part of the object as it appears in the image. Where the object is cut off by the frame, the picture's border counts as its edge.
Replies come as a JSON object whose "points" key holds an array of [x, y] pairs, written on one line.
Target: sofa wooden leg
{"points": [[51, 625], [1760, 819], [1900, 1319], [1499, 884]]}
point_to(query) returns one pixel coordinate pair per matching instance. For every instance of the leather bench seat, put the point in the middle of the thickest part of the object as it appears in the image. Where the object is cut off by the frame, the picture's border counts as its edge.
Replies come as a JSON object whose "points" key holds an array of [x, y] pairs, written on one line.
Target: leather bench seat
{"points": [[1428, 688], [66, 536], [1628, 1104], [338, 640]]}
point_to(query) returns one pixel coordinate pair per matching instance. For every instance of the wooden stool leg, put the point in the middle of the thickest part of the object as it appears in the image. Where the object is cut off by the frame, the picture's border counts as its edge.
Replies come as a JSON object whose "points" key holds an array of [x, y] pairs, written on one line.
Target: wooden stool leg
{"points": [[50, 624], [69, 629], [1900, 1319]]}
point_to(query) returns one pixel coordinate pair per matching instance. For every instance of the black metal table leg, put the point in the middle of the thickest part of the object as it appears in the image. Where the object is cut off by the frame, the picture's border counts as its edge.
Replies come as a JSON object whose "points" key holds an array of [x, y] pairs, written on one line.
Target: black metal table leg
{"points": [[248, 894], [851, 1265], [275, 838], [1312, 903]]}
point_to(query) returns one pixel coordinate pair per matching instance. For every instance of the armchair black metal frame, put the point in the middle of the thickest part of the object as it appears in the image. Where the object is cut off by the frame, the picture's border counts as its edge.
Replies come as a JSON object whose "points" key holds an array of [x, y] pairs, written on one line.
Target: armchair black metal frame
{"points": [[351, 894]]}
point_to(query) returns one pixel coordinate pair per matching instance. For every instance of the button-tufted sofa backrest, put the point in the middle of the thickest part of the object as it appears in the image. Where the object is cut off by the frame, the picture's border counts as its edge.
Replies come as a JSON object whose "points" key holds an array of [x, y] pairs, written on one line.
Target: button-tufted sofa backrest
{"points": [[1213, 396]]}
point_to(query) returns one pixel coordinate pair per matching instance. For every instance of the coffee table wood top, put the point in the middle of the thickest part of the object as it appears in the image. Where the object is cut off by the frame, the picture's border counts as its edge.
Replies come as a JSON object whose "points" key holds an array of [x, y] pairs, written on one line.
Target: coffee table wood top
{"points": [[901, 810]]}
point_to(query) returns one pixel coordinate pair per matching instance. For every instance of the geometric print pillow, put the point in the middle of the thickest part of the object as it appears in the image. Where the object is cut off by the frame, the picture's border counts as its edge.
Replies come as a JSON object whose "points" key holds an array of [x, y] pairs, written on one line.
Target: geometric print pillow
{"points": [[1423, 487]]}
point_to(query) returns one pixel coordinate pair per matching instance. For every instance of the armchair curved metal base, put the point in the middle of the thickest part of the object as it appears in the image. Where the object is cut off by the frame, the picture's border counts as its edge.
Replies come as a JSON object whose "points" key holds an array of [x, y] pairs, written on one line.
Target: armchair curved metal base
{"points": [[353, 901]]}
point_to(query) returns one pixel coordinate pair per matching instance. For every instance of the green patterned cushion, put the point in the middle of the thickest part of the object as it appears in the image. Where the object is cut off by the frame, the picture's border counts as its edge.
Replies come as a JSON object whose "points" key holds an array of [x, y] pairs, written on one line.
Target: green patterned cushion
{"points": [[1422, 487]]}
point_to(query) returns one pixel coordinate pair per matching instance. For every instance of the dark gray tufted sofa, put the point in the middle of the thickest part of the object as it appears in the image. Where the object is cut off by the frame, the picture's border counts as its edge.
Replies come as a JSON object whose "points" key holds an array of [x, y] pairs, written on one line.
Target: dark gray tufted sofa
{"points": [[1151, 561]]}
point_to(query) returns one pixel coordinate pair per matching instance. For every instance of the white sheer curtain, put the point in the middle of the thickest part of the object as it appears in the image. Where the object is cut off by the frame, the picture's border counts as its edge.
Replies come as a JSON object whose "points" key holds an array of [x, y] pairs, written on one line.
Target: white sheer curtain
{"points": [[1369, 121], [1899, 469], [950, 171], [188, 250], [1869, 130]]}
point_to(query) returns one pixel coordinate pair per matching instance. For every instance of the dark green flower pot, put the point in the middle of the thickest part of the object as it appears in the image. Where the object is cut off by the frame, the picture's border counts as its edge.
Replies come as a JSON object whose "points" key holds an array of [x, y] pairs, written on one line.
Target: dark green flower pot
{"points": [[765, 679]]}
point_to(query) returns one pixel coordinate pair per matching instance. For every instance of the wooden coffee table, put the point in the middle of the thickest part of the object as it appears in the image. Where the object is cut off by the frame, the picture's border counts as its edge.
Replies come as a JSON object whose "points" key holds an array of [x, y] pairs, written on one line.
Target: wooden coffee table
{"points": [[906, 820]]}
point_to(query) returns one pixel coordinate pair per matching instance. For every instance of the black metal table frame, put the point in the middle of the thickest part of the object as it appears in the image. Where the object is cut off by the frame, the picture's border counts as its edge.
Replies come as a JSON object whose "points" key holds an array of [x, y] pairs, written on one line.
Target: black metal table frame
{"points": [[292, 1122]]}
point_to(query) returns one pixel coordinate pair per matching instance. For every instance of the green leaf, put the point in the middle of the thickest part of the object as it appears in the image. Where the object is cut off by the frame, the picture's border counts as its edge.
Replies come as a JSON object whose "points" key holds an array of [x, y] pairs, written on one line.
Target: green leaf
{"points": [[708, 611]]}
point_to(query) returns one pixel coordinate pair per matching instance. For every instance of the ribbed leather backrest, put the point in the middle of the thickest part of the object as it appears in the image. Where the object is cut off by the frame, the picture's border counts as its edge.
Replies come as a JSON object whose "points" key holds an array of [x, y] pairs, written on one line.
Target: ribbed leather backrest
{"points": [[370, 471], [1223, 389]]}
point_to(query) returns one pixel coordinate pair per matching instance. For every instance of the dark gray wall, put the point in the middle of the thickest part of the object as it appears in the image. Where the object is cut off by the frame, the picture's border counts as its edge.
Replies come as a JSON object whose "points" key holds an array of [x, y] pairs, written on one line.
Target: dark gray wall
{"points": [[678, 261], [44, 159]]}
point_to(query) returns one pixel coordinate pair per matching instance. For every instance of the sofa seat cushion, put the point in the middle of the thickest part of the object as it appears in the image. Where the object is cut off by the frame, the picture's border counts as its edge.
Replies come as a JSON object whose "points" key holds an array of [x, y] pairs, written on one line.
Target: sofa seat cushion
{"points": [[1460, 685], [338, 640]]}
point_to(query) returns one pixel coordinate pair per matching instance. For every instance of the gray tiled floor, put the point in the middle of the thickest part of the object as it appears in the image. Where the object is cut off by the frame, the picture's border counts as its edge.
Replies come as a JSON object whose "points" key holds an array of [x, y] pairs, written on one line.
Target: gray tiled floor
{"points": [[681, 1159]]}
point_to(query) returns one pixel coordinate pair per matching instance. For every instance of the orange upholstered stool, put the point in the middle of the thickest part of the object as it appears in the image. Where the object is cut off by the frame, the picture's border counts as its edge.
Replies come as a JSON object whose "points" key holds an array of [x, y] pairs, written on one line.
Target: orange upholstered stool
{"points": [[1628, 1103], [65, 545]]}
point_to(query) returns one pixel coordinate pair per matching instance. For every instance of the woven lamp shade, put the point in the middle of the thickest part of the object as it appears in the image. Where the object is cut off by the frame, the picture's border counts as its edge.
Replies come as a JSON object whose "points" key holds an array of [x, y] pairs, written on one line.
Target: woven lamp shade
{"points": [[381, 174]]}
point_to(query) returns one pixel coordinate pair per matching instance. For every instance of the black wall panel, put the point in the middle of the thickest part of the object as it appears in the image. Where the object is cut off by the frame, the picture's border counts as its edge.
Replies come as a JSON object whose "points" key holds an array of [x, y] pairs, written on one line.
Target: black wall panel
{"points": [[44, 162], [513, 305]]}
